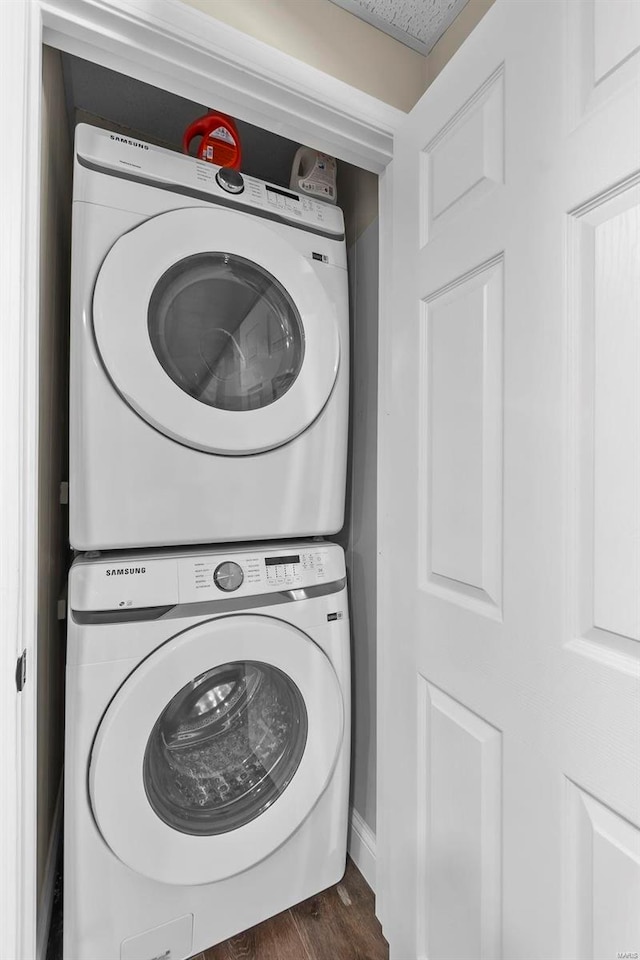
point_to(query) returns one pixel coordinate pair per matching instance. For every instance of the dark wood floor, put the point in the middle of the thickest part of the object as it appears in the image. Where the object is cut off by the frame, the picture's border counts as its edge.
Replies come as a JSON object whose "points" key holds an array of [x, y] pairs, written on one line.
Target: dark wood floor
{"points": [[338, 924]]}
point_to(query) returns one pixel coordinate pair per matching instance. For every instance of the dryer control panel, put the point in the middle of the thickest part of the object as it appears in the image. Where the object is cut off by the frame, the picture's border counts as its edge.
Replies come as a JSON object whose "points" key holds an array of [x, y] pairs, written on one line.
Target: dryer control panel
{"points": [[156, 166], [113, 581]]}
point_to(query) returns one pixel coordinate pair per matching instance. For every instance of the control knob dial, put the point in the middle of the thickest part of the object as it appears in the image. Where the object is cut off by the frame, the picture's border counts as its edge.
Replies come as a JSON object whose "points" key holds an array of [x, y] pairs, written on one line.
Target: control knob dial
{"points": [[230, 180], [228, 576]]}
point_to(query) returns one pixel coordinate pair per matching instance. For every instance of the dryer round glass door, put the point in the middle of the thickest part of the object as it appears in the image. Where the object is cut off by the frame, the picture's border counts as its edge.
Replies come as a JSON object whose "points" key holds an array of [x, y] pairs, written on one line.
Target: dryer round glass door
{"points": [[226, 331], [215, 749], [216, 330]]}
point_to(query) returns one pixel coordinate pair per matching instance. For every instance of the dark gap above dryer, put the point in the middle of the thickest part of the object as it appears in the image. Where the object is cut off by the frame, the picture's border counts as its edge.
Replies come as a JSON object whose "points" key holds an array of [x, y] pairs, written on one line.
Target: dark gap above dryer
{"points": [[112, 100]]}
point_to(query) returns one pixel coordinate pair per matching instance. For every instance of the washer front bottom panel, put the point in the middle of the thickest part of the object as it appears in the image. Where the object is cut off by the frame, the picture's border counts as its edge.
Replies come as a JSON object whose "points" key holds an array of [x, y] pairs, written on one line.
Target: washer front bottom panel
{"points": [[225, 748], [215, 749]]}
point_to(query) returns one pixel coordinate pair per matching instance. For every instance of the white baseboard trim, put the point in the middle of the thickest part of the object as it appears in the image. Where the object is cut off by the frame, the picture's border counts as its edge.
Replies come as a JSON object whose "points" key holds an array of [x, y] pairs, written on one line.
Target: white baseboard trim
{"points": [[49, 882], [361, 843]]}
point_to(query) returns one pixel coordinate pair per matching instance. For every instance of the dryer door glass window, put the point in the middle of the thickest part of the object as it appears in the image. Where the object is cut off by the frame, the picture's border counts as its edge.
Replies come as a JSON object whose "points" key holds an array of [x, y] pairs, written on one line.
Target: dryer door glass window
{"points": [[225, 748], [226, 331]]}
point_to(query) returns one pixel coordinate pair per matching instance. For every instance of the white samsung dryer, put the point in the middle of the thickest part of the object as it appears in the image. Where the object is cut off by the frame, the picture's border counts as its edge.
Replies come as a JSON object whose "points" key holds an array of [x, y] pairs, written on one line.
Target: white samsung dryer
{"points": [[207, 744], [209, 353]]}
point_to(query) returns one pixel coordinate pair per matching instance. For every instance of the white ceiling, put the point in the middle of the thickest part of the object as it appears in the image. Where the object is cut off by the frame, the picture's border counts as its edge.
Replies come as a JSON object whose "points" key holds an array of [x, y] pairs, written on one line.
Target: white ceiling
{"points": [[416, 23]]}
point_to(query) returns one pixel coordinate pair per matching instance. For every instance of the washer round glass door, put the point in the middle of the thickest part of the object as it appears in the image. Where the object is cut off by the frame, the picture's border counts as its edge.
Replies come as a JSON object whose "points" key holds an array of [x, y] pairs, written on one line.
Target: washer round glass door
{"points": [[216, 330], [225, 748], [215, 749]]}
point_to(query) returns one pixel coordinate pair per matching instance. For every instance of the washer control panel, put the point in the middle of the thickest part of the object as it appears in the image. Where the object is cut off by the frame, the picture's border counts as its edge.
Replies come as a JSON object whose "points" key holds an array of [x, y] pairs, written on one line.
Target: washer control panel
{"points": [[286, 570], [211, 577], [109, 582]]}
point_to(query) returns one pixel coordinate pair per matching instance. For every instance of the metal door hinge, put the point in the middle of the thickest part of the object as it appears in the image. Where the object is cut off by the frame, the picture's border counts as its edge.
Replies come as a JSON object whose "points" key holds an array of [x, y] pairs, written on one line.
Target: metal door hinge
{"points": [[21, 671]]}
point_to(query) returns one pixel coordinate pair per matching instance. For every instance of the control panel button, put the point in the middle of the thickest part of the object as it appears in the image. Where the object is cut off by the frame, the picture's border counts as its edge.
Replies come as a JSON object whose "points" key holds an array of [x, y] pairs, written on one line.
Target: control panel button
{"points": [[228, 576], [230, 180]]}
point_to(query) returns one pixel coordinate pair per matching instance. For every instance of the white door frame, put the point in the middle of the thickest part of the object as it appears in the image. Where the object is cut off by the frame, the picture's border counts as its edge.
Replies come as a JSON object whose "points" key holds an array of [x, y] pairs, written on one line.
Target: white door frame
{"points": [[179, 49]]}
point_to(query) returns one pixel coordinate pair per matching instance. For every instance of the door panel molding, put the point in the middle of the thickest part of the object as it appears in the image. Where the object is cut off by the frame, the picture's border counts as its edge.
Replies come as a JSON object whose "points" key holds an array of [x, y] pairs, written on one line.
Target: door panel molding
{"points": [[603, 250], [601, 878], [459, 768], [461, 410], [603, 47], [465, 159]]}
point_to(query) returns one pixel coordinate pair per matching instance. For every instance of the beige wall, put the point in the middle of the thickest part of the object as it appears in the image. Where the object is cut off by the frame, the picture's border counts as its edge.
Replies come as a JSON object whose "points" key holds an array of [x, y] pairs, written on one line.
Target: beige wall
{"points": [[327, 37], [54, 320]]}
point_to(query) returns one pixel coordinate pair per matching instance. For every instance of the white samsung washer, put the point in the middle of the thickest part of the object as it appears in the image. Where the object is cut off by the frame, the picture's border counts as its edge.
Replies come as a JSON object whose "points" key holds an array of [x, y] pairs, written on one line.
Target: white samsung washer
{"points": [[207, 744], [209, 353]]}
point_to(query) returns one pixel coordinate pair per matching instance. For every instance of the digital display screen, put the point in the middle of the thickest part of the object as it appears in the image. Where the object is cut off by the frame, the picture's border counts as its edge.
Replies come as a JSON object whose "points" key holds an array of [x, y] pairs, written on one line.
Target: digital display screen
{"points": [[276, 561], [282, 193]]}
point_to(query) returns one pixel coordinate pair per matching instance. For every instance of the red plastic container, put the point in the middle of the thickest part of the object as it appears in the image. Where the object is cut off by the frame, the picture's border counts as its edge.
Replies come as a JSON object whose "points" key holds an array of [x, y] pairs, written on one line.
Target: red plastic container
{"points": [[220, 142]]}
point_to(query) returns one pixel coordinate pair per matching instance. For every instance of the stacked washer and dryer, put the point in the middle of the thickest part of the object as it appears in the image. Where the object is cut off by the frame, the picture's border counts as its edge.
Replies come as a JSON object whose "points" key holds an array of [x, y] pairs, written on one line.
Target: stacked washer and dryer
{"points": [[208, 687]]}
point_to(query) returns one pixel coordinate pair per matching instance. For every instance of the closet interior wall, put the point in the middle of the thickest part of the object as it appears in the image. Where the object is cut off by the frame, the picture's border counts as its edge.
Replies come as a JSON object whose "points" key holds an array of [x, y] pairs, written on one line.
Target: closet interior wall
{"points": [[53, 554], [358, 196]]}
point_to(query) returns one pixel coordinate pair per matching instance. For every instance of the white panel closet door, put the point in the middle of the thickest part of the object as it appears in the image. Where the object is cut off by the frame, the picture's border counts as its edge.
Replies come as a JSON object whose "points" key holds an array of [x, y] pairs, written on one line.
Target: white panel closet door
{"points": [[510, 498]]}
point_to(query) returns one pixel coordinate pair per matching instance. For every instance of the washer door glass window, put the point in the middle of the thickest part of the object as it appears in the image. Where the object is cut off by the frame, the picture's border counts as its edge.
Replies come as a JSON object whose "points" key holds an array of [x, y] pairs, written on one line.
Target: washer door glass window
{"points": [[225, 748], [226, 331]]}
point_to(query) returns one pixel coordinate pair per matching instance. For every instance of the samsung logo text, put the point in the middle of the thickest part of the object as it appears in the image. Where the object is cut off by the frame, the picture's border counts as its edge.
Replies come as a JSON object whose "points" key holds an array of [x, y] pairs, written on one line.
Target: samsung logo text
{"points": [[131, 143]]}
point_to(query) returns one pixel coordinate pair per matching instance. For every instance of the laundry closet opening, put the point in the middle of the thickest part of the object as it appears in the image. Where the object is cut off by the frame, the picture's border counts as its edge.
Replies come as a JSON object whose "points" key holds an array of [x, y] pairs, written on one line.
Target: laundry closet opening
{"points": [[78, 91]]}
